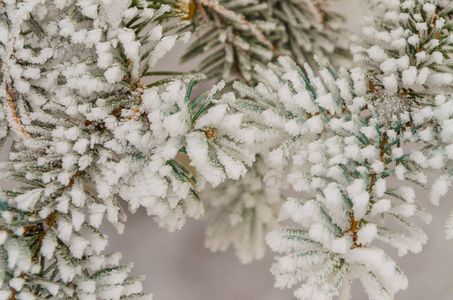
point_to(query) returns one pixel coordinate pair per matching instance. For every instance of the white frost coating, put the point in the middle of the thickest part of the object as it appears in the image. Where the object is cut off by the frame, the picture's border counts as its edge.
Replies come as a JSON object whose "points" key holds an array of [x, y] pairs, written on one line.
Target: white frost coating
{"points": [[439, 189], [155, 33], [114, 74], [28, 199], [315, 124], [359, 197], [197, 149], [328, 103], [320, 233], [233, 168], [49, 244], [17, 283], [5, 295], [360, 204], [78, 245], [213, 117], [112, 11], [381, 206], [78, 196], [410, 76], [3, 236], [310, 293], [165, 45], [176, 124], [380, 187], [407, 193], [385, 269], [391, 84], [367, 234], [131, 49], [342, 245]]}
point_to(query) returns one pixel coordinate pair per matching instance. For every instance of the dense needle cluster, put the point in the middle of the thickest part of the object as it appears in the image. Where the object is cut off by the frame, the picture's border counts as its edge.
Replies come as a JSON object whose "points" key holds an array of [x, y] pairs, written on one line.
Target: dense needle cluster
{"points": [[86, 130], [90, 126], [238, 35]]}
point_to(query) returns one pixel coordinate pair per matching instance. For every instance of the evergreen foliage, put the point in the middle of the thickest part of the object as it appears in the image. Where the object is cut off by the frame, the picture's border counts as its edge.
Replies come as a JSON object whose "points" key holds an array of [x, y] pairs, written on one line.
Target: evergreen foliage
{"points": [[90, 124], [240, 34], [86, 130], [348, 134], [244, 212]]}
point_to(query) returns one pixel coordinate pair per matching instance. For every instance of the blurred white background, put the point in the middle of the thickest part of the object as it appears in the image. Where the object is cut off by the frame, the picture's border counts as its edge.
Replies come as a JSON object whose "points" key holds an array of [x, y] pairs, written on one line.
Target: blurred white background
{"points": [[178, 266]]}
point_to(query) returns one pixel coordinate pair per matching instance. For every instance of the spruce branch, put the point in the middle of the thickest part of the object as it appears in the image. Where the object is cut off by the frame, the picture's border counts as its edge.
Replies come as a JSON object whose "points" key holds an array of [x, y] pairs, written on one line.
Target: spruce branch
{"points": [[99, 133], [224, 28], [53, 231], [320, 13], [343, 135], [243, 213], [239, 31], [339, 156]]}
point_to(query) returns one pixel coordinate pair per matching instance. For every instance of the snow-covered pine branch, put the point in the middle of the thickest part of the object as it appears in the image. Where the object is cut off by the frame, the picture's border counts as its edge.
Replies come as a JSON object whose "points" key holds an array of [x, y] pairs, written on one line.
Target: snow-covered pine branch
{"points": [[240, 34], [48, 249], [407, 53], [35, 263], [309, 27], [406, 49], [347, 134], [337, 165], [86, 130], [234, 34], [339, 157], [244, 212]]}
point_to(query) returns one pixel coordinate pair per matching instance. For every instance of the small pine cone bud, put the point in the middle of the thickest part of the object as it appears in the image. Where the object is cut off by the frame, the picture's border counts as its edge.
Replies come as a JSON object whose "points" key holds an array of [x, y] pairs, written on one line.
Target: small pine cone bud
{"points": [[390, 107], [187, 7], [210, 133]]}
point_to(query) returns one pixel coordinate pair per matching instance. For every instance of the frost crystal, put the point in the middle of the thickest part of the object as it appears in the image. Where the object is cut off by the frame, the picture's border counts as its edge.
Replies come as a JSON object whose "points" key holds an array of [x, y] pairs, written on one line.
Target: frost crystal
{"points": [[390, 108]]}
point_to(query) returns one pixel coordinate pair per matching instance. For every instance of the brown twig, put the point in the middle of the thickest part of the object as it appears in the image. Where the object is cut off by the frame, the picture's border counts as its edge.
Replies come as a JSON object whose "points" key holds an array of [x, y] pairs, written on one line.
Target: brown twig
{"points": [[18, 124], [355, 223], [354, 229], [13, 294], [203, 13], [320, 12]]}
